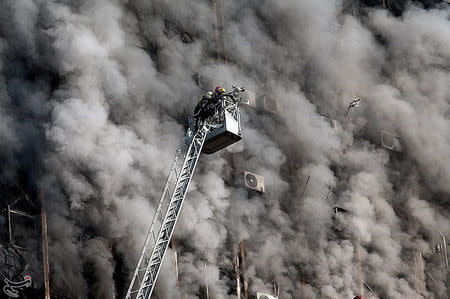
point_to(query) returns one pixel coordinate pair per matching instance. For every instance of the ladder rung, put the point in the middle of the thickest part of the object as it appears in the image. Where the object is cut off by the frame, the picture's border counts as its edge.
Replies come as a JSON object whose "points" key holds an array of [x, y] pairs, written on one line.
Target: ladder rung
{"points": [[168, 217]]}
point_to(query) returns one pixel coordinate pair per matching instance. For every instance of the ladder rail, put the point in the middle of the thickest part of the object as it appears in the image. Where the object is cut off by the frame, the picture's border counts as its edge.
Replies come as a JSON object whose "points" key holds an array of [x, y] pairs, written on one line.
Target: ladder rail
{"points": [[142, 285], [153, 224], [176, 202]]}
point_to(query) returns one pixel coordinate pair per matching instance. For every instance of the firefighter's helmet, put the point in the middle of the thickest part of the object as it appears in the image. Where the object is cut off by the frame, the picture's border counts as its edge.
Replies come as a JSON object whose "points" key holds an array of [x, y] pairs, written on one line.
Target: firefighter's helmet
{"points": [[209, 95], [220, 90]]}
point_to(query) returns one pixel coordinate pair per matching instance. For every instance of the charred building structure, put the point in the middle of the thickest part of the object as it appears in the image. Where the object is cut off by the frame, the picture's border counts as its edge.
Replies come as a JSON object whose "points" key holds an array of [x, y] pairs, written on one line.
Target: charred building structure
{"points": [[23, 240]]}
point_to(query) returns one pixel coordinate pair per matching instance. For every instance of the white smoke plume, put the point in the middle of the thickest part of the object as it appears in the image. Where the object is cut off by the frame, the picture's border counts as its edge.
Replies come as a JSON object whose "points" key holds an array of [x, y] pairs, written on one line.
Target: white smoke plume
{"points": [[87, 100]]}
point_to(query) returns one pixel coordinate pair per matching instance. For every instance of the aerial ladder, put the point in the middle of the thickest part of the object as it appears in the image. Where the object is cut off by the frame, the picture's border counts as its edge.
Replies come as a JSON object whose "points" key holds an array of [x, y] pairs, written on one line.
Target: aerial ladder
{"points": [[218, 131]]}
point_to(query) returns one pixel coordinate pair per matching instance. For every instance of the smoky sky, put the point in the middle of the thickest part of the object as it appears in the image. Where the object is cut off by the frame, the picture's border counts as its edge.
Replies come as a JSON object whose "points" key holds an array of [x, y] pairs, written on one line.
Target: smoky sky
{"points": [[95, 94]]}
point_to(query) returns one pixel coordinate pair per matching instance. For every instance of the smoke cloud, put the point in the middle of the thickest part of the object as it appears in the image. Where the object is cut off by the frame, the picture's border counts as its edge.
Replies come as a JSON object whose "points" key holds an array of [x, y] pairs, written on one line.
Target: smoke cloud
{"points": [[94, 98]]}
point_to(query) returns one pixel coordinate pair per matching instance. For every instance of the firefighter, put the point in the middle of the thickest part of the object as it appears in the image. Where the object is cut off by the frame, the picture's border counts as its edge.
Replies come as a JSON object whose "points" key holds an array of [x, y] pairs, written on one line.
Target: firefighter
{"points": [[205, 100], [218, 95], [201, 110], [207, 106]]}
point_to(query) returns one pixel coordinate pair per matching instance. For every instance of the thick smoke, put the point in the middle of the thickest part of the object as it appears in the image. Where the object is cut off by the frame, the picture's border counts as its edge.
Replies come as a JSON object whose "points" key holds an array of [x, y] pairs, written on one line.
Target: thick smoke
{"points": [[87, 99]]}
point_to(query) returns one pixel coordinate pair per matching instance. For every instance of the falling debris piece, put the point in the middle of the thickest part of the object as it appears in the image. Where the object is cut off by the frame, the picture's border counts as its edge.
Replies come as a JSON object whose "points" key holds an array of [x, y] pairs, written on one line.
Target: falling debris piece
{"points": [[353, 104]]}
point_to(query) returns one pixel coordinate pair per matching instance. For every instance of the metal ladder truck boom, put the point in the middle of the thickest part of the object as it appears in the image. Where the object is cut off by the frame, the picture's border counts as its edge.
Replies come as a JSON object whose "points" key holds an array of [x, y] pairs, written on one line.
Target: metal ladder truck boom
{"points": [[220, 130]]}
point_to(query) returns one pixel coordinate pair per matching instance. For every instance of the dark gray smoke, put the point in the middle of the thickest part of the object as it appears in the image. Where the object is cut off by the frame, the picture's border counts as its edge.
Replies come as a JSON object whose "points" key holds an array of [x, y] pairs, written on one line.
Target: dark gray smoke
{"points": [[95, 94]]}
